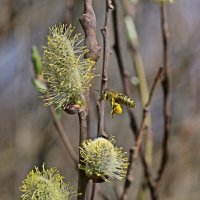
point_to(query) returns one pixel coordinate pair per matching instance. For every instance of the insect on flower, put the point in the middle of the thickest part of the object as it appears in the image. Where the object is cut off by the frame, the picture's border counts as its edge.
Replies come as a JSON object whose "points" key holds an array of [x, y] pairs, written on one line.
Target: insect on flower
{"points": [[116, 99]]}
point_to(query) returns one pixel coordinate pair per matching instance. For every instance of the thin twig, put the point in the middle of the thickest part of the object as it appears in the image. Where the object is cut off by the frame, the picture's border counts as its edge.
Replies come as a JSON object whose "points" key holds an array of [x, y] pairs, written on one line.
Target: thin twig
{"points": [[139, 68], [155, 82], [88, 22], [69, 10], [137, 148], [148, 176], [63, 136], [165, 86], [104, 80], [126, 85], [83, 125], [93, 191], [134, 46], [123, 73], [82, 178], [106, 57], [100, 192], [133, 156]]}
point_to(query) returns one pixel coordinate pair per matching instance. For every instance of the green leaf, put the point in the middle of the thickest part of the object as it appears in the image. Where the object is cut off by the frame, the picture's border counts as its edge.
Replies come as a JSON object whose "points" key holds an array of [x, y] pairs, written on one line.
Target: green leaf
{"points": [[36, 59]]}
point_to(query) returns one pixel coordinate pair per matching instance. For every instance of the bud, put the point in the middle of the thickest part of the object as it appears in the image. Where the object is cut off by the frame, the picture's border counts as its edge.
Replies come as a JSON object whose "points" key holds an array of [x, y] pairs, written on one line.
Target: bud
{"points": [[36, 59]]}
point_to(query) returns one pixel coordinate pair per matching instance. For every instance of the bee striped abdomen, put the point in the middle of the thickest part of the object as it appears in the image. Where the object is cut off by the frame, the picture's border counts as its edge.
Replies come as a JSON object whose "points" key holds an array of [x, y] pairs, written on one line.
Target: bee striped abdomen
{"points": [[125, 100]]}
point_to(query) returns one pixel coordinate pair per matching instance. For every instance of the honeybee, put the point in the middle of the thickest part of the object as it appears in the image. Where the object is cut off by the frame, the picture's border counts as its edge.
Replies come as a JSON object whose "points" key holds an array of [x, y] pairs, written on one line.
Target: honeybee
{"points": [[116, 99]]}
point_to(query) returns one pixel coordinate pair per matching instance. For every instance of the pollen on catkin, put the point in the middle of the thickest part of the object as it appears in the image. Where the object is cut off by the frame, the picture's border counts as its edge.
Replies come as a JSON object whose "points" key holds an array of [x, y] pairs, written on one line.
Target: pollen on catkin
{"points": [[101, 160], [65, 70], [45, 185]]}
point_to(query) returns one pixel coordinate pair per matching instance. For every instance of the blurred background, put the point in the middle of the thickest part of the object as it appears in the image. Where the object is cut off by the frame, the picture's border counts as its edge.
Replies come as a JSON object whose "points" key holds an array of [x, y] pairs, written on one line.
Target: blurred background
{"points": [[28, 137]]}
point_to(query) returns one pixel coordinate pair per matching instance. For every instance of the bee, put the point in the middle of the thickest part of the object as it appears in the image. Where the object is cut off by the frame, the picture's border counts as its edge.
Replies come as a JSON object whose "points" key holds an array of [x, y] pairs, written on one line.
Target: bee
{"points": [[116, 99]]}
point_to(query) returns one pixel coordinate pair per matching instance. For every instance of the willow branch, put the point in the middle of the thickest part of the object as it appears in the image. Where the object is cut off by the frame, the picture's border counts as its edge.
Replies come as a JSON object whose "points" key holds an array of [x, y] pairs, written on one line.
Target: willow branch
{"points": [[93, 191], [148, 176], [137, 148], [82, 178], [69, 10], [104, 80], [106, 57], [144, 93], [63, 136], [123, 73], [165, 86], [88, 22], [139, 68], [126, 86]]}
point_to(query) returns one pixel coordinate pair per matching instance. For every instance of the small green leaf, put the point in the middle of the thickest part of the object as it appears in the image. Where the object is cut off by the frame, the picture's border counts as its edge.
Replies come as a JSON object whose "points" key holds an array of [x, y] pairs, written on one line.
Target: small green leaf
{"points": [[36, 59]]}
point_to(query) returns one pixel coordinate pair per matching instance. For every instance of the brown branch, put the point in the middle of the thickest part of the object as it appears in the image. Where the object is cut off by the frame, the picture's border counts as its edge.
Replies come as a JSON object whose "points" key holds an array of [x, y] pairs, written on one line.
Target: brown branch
{"points": [[93, 191], [104, 80], [148, 176], [63, 136], [123, 73], [132, 158], [69, 10], [83, 114], [155, 82], [137, 148], [165, 86], [82, 178], [106, 57], [88, 22], [126, 85], [139, 68]]}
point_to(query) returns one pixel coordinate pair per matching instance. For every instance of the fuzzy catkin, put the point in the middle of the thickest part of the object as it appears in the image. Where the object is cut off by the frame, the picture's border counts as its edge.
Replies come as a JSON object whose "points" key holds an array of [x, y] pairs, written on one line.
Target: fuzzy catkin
{"points": [[47, 184], [103, 160], [65, 70]]}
